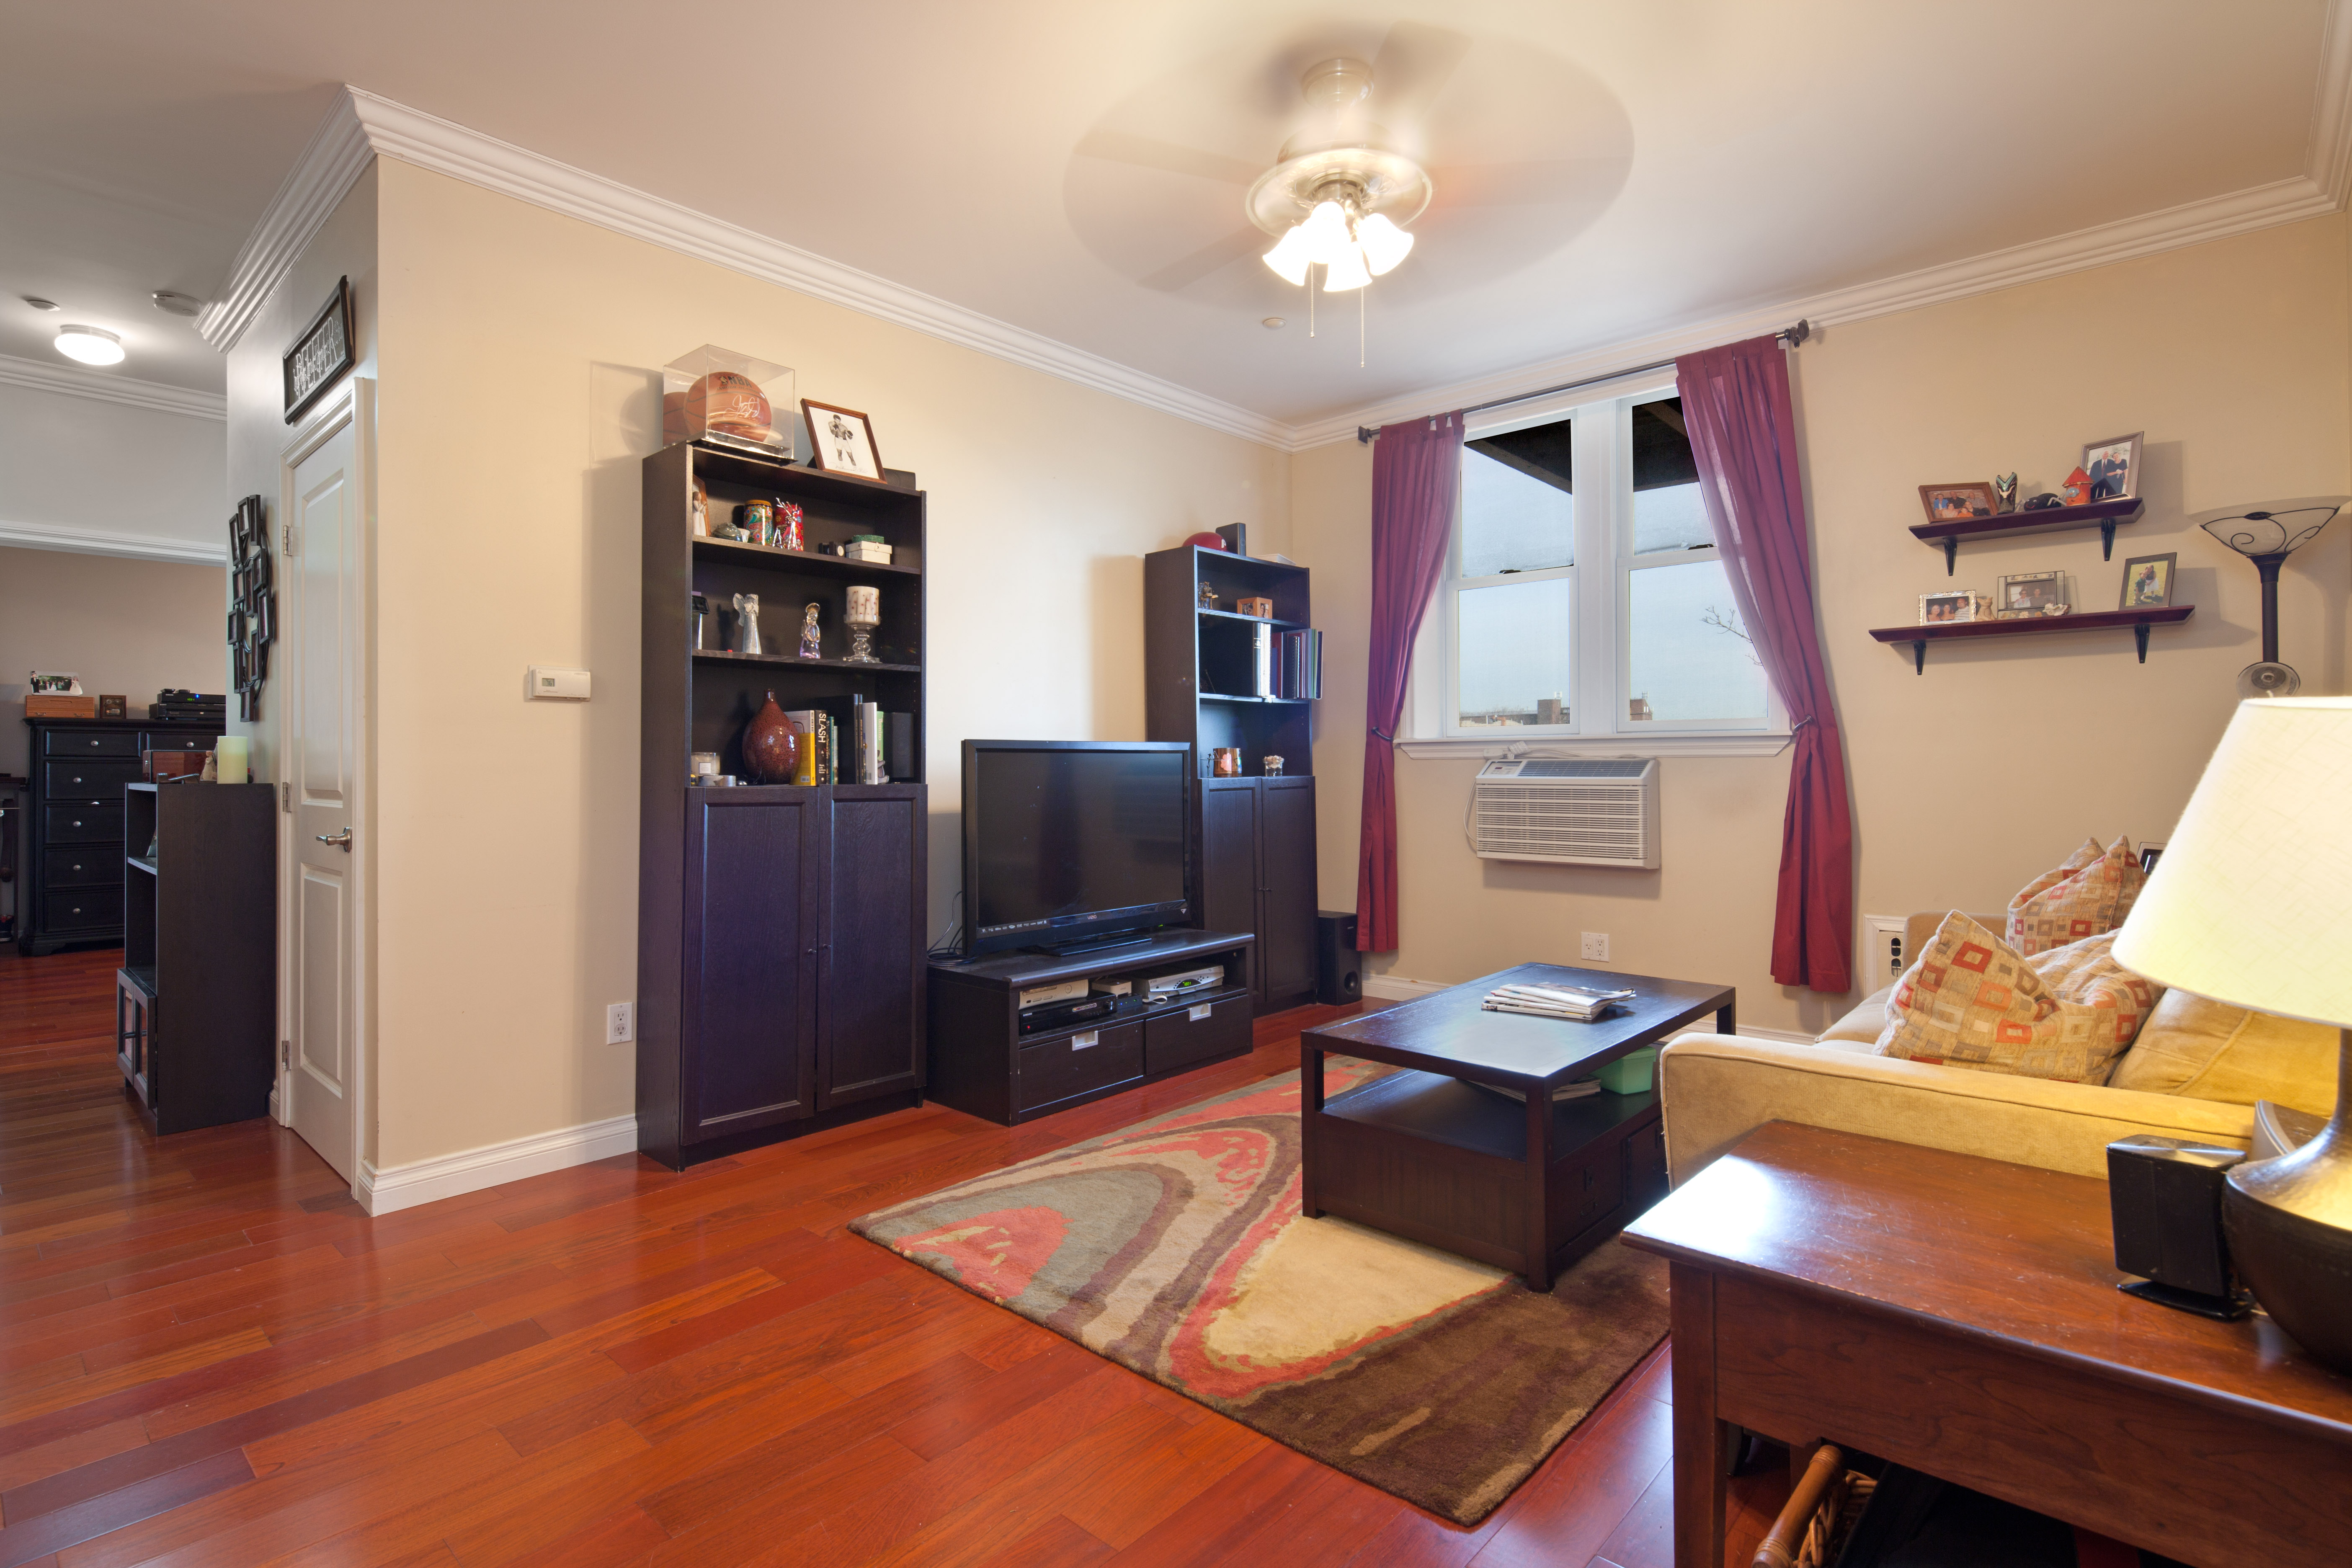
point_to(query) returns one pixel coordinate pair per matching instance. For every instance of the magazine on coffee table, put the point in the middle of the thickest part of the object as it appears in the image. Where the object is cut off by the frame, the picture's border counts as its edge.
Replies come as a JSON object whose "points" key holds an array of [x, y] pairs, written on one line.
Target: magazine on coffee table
{"points": [[1578, 1004]]}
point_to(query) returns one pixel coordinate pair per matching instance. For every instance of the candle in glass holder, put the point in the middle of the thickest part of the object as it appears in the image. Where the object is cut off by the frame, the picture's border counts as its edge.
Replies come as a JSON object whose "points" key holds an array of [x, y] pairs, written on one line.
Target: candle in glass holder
{"points": [[863, 615]]}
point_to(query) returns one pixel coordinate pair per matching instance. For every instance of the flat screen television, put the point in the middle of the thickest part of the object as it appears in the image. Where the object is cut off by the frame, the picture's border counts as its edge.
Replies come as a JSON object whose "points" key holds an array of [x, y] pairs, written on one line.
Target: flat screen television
{"points": [[1072, 843]]}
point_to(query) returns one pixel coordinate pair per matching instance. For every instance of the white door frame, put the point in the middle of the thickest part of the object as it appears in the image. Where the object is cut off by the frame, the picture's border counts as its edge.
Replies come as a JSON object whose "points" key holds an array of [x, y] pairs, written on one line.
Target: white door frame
{"points": [[354, 405]]}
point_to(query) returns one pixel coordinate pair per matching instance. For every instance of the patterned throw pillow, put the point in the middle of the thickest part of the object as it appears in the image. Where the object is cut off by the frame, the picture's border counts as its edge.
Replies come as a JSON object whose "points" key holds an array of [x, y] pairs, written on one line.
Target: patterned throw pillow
{"points": [[2090, 893], [1973, 1001]]}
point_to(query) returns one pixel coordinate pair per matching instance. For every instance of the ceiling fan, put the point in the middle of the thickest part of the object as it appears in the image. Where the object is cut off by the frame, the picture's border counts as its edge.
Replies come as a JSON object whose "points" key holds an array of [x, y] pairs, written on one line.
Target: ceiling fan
{"points": [[1505, 150]]}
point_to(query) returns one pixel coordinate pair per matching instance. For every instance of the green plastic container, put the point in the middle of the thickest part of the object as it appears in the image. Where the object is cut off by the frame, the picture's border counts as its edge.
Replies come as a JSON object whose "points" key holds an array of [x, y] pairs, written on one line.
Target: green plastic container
{"points": [[1632, 1073]]}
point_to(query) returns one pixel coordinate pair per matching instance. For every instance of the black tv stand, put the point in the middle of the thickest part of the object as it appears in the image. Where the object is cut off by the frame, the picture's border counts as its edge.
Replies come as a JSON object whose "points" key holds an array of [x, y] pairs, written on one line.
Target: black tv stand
{"points": [[980, 1063]]}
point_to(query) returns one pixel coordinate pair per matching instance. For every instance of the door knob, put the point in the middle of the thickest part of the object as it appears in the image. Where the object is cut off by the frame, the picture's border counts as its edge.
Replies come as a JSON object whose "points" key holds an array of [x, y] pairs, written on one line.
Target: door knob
{"points": [[342, 841]]}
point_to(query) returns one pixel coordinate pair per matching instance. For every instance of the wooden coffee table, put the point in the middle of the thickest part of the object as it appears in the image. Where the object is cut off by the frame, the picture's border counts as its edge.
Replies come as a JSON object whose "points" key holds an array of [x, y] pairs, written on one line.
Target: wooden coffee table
{"points": [[1960, 1316], [1532, 1188]]}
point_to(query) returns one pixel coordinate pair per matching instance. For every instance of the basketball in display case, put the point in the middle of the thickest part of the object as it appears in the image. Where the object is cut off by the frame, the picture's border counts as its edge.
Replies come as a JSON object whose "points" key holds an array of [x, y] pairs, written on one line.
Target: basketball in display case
{"points": [[722, 398]]}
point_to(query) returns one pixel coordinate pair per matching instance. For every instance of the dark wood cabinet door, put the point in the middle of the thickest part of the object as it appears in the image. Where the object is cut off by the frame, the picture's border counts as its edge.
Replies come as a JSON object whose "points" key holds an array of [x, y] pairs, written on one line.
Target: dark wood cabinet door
{"points": [[1285, 926], [755, 886], [871, 951], [1226, 897]]}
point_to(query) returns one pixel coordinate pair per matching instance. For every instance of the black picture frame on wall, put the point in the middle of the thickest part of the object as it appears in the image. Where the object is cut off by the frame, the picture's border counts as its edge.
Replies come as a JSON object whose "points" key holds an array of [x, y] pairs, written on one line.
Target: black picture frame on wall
{"points": [[321, 354]]}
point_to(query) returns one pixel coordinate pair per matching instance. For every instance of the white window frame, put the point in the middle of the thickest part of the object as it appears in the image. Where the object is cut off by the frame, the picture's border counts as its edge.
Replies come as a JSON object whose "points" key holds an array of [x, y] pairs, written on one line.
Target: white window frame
{"points": [[1599, 718]]}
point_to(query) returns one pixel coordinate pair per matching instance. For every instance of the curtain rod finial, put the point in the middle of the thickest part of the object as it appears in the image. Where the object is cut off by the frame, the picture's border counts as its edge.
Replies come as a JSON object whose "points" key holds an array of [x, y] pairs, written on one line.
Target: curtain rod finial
{"points": [[1796, 335], [1364, 433]]}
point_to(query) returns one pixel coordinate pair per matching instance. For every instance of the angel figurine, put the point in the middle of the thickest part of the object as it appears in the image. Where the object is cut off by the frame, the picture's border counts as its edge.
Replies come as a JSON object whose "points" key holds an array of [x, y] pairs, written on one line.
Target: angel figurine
{"points": [[2004, 489], [811, 640]]}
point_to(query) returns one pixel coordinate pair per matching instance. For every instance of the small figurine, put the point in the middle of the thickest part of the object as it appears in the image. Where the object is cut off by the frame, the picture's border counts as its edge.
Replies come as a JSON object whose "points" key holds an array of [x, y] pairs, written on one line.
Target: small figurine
{"points": [[2042, 502], [700, 507], [788, 526], [2004, 489], [747, 623], [811, 640], [1208, 597]]}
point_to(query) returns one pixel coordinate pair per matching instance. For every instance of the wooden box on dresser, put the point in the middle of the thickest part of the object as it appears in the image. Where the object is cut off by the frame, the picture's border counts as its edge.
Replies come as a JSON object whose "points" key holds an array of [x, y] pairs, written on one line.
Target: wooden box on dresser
{"points": [[780, 927], [197, 997], [70, 891], [1252, 837]]}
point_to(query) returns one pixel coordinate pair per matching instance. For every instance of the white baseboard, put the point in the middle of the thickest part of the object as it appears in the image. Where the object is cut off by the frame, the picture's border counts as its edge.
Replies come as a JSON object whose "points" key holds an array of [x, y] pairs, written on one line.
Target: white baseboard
{"points": [[450, 1176], [1397, 988]]}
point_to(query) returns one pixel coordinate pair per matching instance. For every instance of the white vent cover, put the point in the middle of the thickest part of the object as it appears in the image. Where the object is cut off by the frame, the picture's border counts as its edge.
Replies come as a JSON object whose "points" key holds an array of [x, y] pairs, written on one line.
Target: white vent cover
{"points": [[1566, 813]]}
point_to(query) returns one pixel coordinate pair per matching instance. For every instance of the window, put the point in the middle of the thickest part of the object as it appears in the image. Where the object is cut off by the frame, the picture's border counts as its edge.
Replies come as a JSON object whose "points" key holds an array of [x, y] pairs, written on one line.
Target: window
{"points": [[1583, 596]]}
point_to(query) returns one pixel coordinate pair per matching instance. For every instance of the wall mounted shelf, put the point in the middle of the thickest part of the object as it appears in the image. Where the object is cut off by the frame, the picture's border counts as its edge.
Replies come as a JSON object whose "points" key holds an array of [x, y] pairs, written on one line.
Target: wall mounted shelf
{"points": [[2104, 515], [722, 656], [2092, 621]]}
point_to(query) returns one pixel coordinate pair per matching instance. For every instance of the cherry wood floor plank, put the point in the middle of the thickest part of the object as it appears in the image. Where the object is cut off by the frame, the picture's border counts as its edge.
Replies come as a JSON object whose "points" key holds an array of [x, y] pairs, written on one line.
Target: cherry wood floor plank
{"points": [[1266, 1485], [625, 1535], [45, 1534], [1056, 1544], [1574, 1503]]}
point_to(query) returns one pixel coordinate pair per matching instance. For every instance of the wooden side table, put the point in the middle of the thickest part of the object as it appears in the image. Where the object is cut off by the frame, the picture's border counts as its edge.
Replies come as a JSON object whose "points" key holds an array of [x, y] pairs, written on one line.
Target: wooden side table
{"points": [[1960, 1316]]}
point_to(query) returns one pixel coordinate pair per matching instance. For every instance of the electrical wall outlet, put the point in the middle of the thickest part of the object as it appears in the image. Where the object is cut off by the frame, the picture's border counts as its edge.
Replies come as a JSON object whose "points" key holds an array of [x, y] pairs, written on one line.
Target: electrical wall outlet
{"points": [[1883, 960], [1596, 945], [620, 1023]]}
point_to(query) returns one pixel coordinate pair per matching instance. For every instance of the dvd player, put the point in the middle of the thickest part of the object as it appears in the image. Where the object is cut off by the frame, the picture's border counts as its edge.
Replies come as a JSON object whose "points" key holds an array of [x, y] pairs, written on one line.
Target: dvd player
{"points": [[1061, 1014]]}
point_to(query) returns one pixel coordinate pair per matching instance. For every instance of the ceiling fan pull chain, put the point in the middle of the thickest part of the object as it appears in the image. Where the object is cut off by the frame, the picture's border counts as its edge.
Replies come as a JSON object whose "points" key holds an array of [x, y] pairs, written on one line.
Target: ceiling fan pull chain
{"points": [[1310, 300], [1359, 327]]}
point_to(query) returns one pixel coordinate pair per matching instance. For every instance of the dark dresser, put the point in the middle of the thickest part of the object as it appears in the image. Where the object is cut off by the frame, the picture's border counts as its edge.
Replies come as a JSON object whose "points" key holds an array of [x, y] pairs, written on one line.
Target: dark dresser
{"points": [[71, 890]]}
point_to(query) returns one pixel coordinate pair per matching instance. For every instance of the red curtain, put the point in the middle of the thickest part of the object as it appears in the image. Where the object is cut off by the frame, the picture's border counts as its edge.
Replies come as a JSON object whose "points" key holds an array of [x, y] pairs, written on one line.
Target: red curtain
{"points": [[1743, 433], [1417, 468]]}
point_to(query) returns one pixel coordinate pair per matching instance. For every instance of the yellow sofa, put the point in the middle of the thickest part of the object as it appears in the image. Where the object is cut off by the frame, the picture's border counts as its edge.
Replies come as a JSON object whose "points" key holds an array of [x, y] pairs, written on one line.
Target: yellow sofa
{"points": [[2194, 1072]]}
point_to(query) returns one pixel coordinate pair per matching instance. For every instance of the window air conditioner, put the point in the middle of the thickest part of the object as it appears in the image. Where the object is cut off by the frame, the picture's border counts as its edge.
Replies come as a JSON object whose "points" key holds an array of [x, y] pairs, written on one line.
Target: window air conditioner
{"points": [[1566, 813]]}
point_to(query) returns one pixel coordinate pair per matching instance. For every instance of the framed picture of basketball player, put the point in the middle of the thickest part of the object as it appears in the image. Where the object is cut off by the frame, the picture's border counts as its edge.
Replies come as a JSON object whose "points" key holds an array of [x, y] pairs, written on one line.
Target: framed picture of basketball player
{"points": [[841, 441], [2114, 468]]}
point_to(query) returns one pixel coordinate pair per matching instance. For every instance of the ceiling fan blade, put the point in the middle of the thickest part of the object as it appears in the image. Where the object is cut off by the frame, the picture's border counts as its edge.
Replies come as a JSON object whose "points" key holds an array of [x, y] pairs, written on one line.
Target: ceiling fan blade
{"points": [[1535, 183], [1414, 64], [1187, 269], [1118, 147]]}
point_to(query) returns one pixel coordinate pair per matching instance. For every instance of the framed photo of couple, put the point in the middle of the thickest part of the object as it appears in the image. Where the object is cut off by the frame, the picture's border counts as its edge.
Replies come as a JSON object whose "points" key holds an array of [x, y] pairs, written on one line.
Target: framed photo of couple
{"points": [[2112, 466]]}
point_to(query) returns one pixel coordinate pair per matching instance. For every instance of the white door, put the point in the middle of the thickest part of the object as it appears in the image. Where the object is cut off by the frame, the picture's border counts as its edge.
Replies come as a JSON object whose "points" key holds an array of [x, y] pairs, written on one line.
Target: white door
{"points": [[319, 694]]}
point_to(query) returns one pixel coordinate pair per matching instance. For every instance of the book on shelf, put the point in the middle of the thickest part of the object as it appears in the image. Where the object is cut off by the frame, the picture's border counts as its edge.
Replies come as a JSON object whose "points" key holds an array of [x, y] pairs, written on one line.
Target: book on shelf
{"points": [[1301, 665], [1262, 662]]}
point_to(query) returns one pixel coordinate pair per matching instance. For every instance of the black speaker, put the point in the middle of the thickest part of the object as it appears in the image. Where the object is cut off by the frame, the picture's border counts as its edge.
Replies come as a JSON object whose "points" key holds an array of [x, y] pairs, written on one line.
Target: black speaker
{"points": [[1338, 967], [2165, 1195]]}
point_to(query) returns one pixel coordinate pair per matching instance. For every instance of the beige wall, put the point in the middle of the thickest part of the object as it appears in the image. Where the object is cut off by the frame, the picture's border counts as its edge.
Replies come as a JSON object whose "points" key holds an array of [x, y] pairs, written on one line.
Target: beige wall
{"points": [[520, 355], [127, 626], [2231, 356]]}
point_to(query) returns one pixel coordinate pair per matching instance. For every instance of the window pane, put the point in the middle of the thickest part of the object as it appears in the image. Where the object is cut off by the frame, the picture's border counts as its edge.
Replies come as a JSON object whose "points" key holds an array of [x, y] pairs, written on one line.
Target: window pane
{"points": [[1517, 511], [1691, 657], [1667, 514], [1514, 657], [1671, 517]]}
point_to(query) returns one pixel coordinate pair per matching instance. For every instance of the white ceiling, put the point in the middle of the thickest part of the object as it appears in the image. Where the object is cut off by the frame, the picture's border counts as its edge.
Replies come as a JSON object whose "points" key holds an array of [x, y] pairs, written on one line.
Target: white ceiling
{"points": [[1074, 169]]}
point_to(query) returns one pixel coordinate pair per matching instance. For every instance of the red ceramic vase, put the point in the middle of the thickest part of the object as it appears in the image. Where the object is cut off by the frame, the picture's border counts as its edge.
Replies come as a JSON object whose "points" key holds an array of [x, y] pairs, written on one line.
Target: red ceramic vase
{"points": [[771, 745]]}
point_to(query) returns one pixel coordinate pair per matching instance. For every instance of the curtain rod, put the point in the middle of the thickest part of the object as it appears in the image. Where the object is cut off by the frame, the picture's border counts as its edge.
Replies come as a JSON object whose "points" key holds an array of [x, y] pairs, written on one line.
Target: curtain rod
{"points": [[1790, 336]]}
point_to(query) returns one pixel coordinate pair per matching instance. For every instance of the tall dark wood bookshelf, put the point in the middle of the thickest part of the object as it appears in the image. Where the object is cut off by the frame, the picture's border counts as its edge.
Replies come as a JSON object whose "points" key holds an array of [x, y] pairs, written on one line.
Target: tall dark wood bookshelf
{"points": [[781, 927], [1254, 836]]}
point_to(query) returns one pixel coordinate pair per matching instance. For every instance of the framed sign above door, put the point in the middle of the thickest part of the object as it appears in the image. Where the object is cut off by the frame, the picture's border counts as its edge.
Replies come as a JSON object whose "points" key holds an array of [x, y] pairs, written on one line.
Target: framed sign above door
{"points": [[321, 354]]}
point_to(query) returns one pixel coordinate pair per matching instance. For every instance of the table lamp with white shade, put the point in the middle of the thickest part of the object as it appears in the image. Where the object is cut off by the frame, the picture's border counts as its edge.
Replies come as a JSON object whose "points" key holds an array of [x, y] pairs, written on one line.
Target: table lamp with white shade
{"points": [[2251, 905]]}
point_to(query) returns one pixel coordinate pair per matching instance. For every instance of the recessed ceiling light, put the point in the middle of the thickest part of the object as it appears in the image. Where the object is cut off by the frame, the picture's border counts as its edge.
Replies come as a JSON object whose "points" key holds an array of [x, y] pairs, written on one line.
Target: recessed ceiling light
{"points": [[91, 345], [173, 303], [38, 303], [1273, 322]]}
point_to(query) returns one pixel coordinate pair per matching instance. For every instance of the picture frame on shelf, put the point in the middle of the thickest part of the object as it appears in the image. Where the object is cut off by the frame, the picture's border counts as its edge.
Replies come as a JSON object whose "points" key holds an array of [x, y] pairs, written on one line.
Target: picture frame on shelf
{"points": [[1950, 609], [2032, 593], [2147, 582], [2112, 468], [841, 441], [1959, 503]]}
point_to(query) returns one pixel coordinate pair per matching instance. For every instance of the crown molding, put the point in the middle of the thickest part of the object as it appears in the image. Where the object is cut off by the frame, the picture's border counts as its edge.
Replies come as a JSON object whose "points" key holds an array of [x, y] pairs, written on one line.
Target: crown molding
{"points": [[337, 154], [74, 381], [362, 124], [2328, 160], [129, 546], [2193, 223]]}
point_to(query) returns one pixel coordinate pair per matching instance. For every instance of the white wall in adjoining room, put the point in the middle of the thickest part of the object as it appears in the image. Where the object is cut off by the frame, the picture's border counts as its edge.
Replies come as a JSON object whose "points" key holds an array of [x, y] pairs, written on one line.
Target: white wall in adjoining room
{"points": [[93, 474]]}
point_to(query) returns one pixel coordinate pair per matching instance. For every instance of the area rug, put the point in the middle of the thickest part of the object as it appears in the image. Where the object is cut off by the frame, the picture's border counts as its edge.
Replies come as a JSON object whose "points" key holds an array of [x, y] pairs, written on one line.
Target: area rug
{"points": [[1175, 1247]]}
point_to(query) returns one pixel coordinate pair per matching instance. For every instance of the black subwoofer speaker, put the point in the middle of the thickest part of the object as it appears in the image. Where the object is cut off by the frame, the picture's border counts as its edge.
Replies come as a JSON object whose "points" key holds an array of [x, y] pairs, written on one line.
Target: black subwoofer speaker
{"points": [[1338, 967]]}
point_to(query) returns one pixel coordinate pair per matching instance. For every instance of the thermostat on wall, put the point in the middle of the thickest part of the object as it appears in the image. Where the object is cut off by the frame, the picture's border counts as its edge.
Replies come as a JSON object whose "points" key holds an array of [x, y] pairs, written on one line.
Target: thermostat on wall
{"points": [[566, 685]]}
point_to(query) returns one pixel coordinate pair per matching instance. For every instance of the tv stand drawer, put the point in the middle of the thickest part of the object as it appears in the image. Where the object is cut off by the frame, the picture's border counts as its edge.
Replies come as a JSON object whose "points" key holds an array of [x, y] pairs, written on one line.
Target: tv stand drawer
{"points": [[1173, 1038], [1069, 1065]]}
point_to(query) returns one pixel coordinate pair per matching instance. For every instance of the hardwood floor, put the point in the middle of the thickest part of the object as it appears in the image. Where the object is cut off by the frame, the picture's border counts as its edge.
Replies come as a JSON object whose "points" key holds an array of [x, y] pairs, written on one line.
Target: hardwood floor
{"points": [[208, 1354]]}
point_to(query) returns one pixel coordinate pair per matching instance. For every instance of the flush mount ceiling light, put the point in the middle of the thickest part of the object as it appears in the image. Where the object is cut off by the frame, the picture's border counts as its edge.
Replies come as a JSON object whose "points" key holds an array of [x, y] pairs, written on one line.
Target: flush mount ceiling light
{"points": [[173, 303], [1340, 195], [91, 345]]}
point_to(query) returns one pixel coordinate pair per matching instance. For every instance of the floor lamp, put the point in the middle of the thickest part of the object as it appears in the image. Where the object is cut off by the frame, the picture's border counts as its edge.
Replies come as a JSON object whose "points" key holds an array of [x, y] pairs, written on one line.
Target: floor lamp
{"points": [[2267, 537]]}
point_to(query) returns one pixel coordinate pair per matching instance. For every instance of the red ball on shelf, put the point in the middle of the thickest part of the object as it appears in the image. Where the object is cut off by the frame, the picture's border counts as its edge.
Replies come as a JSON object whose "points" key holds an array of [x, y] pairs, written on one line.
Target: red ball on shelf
{"points": [[1206, 542]]}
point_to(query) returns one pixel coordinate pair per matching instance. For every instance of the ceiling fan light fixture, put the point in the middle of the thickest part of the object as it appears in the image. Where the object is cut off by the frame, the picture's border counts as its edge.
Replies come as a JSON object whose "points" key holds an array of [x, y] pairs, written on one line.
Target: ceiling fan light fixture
{"points": [[1288, 258], [1348, 272], [1384, 244], [90, 345], [1324, 235]]}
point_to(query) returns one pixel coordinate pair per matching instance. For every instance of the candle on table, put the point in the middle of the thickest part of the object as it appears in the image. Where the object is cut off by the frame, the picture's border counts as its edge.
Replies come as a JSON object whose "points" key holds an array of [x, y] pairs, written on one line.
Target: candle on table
{"points": [[229, 759]]}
